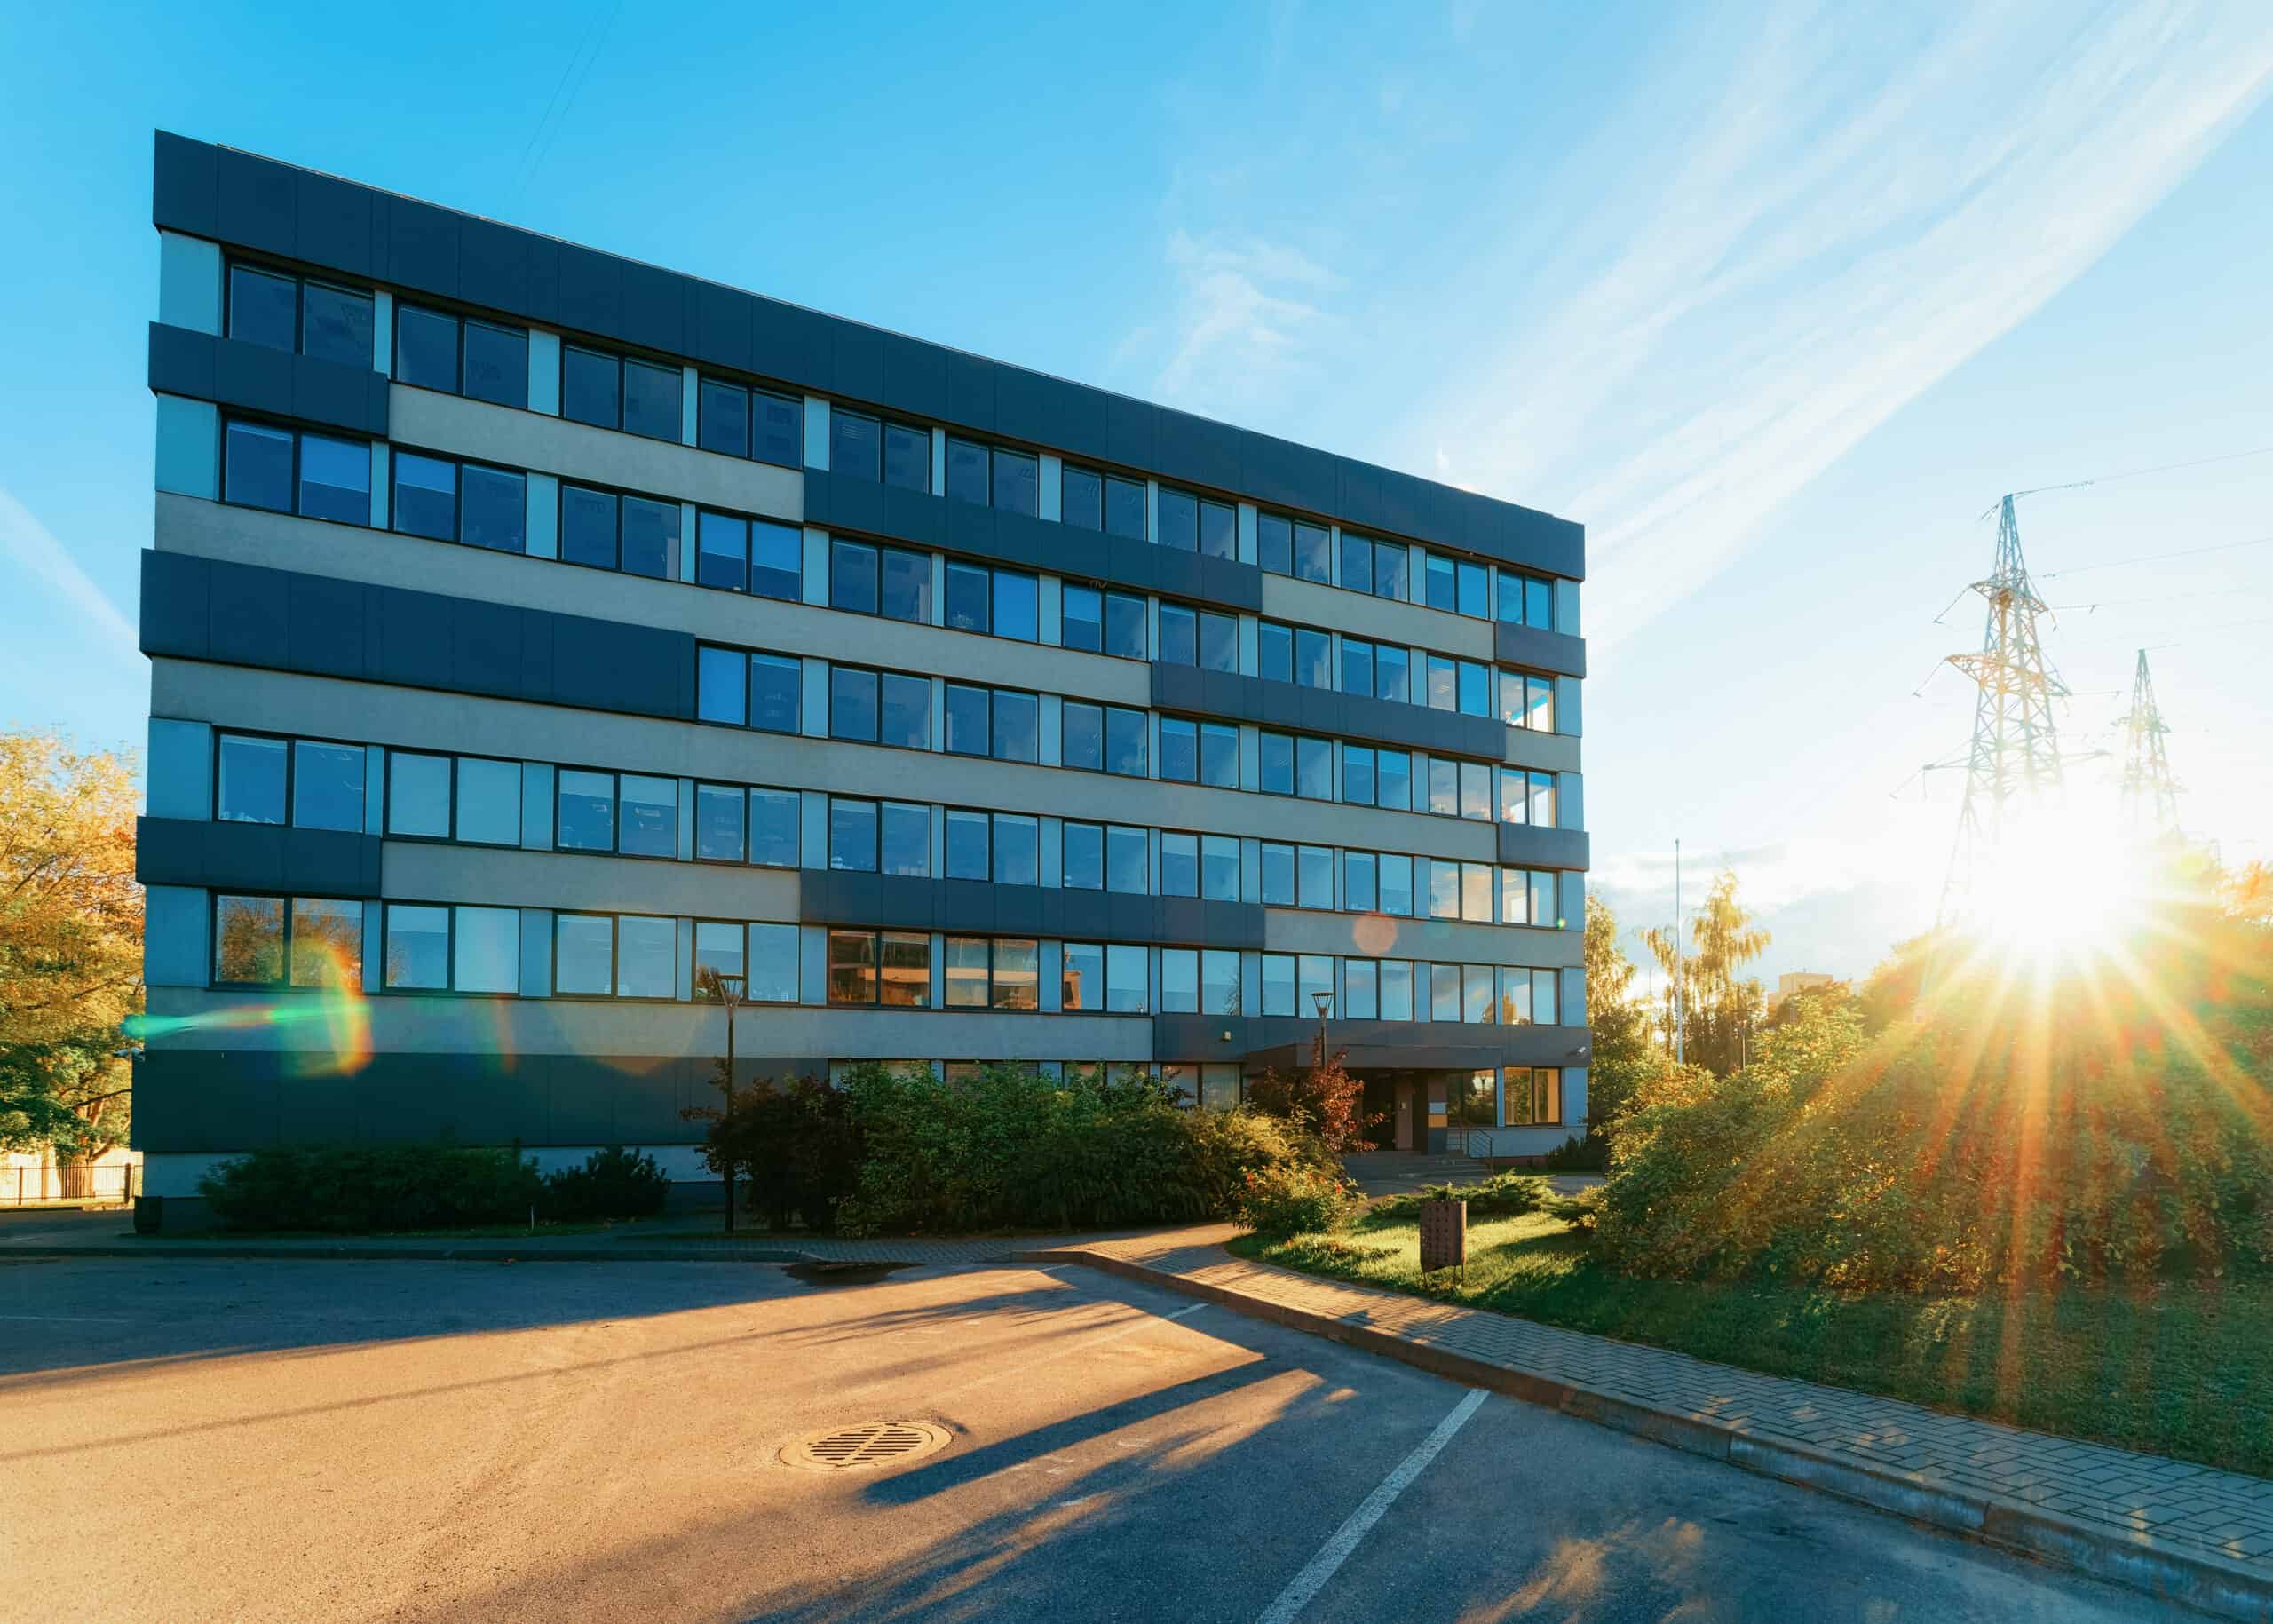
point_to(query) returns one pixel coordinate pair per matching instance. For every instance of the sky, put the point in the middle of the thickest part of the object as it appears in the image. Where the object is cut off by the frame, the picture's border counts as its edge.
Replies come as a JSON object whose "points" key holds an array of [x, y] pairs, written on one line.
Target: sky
{"points": [[1776, 299]]}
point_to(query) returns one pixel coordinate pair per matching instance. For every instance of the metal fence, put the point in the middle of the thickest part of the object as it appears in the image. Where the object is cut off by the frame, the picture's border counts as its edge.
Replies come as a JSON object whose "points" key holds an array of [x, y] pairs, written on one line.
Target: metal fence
{"points": [[28, 1185]]}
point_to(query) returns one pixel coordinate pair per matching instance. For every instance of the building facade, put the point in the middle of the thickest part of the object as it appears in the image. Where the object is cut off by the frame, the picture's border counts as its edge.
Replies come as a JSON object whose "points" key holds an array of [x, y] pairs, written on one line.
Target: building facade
{"points": [[531, 630]]}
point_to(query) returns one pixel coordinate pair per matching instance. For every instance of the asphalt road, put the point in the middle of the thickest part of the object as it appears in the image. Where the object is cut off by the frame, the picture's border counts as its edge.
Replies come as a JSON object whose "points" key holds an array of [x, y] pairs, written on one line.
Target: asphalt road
{"points": [[189, 1439]]}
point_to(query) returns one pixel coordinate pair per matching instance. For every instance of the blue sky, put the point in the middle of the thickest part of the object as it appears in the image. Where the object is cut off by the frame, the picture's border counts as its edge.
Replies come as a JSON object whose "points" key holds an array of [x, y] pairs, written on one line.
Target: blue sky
{"points": [[1775, 299]]}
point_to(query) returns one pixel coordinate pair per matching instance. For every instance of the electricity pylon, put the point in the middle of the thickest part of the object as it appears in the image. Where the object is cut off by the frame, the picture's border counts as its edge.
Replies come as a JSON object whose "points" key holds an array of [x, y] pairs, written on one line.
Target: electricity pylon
{"points": [[2150, 798], [2014, 764]]}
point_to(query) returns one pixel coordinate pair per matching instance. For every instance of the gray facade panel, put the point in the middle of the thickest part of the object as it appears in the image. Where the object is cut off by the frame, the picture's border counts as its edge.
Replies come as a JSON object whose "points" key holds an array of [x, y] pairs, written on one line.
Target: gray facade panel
{"points": [[900, 902], [257, 203]]}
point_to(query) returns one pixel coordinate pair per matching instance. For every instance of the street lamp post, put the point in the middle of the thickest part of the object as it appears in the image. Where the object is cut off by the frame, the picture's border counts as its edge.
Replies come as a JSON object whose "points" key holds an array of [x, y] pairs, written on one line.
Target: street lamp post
{"points": [[728, 991], [1324, 1003]]}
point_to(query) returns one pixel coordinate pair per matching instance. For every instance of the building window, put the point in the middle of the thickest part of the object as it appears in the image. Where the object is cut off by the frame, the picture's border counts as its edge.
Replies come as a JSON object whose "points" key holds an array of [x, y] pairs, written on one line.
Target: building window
{"points": [[1219, 990], [251, 780], [285, 472], [1128, 979], [1277, 875], [1358, 774], [1082, 984], [1018, 849], [1314, 769], [1179, 978], [461, 356], [621, 392], [1219, 642], [605, 955], [447, 501], [1125, 748], [1219, 755], [1279, 983], [1476, 993], [290, 313], [418, 795], [1526, 700], [1475, 689], [1290, 547], [277, 941], [1180, 749], [488, 811], [417, 949], [1128, 861], [888, 580], [1526, 600], [747, 690], [1219, 868], [1527, 797], [1082, 735], [750, 554], [851, 835], [604, 530], [892, 968], [752, 422], [969, 835], [1360, 881], [1017, 606], [1360, 989], [1081, 861], [1018, 725], [1179, 864], [1314, 876], [1533, 1095]]}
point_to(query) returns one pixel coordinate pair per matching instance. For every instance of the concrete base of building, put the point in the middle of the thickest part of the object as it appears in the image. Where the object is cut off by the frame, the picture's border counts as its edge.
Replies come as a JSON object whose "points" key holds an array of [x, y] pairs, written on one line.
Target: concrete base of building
{"points": [[191, 1214]]}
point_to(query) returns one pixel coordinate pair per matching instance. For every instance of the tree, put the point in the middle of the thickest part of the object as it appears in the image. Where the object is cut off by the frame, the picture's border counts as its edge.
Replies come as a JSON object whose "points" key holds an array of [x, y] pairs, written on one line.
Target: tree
{"points": [[1720, 1013], [70, 945], [1325, 1099]]}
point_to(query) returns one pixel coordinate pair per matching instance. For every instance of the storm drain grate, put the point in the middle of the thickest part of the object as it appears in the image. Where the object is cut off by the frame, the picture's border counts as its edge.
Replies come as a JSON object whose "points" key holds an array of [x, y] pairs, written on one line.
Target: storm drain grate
{"points": [[876, 1443]]}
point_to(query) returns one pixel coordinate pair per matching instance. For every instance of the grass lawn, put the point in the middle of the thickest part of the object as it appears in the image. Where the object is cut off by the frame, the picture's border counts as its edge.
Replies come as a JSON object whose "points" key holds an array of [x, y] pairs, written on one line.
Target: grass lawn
{"points": [[2180, 1370]]}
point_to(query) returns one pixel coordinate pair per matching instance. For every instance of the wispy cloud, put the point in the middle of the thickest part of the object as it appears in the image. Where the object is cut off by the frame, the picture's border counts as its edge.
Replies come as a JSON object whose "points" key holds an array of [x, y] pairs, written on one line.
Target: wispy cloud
{"points": [[34, 549], [1248, 312], [1834, 221]]}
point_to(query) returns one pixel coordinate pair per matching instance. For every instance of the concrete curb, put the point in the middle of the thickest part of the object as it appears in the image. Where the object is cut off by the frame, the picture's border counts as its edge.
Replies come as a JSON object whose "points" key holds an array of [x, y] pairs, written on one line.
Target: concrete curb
{"points": [[484, 1252], [2136, 1561]]}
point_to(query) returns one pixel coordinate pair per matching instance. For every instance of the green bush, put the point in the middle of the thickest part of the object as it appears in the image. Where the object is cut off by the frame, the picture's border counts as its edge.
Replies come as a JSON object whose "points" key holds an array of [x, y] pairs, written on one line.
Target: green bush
{"points": [[613, 1183], [1591, 1154], [1295, 1199], [792, 1148], [1503, 1195], [357, 1188], [1008, 1148], [1965, 1150]]}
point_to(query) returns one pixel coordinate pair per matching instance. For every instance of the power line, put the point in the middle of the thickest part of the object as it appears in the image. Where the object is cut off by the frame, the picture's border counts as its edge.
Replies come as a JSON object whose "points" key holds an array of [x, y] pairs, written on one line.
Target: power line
{"points": [[2168, 597], [2157, 558], [2140, 473]]}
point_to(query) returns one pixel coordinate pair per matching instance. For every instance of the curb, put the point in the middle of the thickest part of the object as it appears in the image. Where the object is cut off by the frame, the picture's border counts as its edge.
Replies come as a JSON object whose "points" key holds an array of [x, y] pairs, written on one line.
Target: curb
{"points": [[419, 1253], [2136, 1561]]}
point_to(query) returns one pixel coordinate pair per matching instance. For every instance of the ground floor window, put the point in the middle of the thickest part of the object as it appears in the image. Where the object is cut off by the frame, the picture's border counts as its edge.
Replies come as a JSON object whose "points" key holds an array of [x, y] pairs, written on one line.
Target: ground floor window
{"points": [[1533, 1095]]}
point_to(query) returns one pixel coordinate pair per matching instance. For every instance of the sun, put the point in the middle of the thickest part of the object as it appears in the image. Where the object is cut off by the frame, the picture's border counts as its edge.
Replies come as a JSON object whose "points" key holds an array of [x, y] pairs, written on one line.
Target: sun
{"points": [[2055, 887]]}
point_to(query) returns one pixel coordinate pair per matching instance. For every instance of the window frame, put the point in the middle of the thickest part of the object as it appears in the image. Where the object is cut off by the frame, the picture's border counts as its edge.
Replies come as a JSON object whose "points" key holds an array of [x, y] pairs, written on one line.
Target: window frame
{"points": [[287, 902]]}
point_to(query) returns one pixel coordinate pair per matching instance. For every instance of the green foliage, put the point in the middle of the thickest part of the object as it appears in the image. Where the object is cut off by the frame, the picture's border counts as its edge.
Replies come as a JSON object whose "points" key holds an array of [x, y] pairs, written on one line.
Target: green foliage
{"points": [[1323, 1100], [1009, 1147], [1295, 1199], [1591, 1154], [2014, 1130], [613, 1183], [793, 1146], [1503, 1195], [357, 1188]]}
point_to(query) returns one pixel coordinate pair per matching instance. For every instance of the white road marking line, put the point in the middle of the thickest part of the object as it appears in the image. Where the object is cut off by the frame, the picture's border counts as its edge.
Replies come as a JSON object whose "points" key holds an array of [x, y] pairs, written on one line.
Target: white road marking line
{"points": [[1336, 1550]]}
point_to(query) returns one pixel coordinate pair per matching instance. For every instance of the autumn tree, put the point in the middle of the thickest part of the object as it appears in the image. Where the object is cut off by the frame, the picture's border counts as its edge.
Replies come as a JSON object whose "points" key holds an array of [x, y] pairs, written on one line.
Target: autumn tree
{"points": [[1326, 1097], [70, 945], [1625, 1052], [1721, 1012]]}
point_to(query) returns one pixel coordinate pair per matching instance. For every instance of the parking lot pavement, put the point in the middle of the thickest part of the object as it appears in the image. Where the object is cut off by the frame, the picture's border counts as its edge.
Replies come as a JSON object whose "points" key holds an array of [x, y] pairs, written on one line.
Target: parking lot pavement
{"points": [[192, 1439]]}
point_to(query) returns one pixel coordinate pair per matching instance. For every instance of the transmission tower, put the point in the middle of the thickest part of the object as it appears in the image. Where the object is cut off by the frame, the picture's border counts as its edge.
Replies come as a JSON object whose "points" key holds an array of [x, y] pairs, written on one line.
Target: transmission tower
{"points": [[2013, 763], [2150, 798]]}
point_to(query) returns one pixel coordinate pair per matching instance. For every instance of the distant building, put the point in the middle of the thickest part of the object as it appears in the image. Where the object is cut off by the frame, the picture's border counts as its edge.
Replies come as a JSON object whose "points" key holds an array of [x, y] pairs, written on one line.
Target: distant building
{"points": [[1792, 983]]}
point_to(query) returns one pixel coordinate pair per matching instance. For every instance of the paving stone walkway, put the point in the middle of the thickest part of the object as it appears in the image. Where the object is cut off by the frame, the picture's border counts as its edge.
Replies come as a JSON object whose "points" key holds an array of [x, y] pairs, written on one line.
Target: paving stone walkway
{"points": [[2219, 1514]]}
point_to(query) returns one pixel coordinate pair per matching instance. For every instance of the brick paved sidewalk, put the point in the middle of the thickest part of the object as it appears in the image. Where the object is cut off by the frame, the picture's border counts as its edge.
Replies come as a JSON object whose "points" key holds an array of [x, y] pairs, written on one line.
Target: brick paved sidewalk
{"points": [[2112, 1511]]}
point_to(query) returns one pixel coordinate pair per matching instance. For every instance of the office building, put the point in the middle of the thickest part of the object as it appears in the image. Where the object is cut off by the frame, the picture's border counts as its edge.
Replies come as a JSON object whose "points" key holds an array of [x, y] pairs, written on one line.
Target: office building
{"points": [[532, 629]]}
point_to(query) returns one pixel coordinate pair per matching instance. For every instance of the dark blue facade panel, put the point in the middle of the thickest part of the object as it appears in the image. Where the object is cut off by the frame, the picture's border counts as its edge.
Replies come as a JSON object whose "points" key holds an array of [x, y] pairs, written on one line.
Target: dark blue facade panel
{"points": [[257, 857], [255, 377], [286, 621]]}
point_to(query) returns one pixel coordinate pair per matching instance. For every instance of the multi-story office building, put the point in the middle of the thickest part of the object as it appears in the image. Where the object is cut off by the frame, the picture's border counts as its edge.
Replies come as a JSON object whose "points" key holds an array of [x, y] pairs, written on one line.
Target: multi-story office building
{"points": [[531, 628]]}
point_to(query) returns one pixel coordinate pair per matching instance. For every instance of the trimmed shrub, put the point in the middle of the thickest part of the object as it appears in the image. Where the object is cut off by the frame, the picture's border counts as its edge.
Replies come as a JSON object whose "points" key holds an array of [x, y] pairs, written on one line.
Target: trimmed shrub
{"points": [[1503, 1195], [357, 1188], [1010, 1148], [793, 1148], [613, 1183], [1295, 1199]]}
